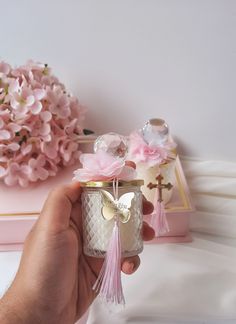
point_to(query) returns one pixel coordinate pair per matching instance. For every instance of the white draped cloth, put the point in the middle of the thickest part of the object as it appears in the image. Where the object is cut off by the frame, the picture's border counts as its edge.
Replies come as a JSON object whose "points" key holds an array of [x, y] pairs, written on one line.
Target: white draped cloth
{"points": [[180, 283]]}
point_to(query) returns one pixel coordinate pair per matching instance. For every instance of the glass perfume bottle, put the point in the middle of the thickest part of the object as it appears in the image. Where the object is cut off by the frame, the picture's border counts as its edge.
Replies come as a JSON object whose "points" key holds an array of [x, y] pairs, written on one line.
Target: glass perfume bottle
{"points": [[154, 153]]}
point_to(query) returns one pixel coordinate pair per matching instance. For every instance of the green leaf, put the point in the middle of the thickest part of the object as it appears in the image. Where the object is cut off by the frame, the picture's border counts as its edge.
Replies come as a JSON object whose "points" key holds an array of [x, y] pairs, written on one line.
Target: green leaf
{"points": [[87, 131]]}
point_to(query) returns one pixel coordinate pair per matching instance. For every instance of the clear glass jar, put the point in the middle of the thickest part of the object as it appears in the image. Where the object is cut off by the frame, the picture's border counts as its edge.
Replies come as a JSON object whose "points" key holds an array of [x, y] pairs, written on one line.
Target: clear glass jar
{"points": [[98, 220]]}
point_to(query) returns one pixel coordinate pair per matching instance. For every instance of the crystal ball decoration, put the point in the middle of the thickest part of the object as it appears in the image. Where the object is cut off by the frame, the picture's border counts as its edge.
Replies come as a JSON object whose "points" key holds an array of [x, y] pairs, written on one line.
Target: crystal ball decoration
{"points": [[155, 132], [113, 144]]}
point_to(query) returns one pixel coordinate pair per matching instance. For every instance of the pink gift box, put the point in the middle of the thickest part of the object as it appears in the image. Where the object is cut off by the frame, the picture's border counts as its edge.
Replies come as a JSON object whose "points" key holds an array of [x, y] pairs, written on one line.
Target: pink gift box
{"points": [[178, 211], [19, 208]]}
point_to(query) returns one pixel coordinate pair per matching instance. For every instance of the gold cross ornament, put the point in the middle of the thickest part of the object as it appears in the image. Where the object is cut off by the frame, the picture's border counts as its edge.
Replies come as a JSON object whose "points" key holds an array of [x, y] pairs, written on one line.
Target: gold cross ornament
{"points": [[160, 186]]}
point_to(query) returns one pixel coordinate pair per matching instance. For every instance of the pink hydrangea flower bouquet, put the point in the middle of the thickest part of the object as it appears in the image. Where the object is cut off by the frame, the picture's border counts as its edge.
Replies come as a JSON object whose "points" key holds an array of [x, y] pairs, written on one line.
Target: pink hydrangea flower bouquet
{"points": [[39, 124]]}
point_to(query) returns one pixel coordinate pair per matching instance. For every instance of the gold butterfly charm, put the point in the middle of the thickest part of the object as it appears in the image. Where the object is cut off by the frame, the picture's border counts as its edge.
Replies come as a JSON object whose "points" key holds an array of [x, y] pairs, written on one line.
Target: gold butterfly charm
{"points": [[121, 207]]}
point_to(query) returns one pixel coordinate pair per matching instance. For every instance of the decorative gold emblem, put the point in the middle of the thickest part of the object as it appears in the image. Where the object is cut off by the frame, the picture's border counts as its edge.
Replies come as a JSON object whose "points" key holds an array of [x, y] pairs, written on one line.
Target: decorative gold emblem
{"points": [[160, 186], [120, 207]]}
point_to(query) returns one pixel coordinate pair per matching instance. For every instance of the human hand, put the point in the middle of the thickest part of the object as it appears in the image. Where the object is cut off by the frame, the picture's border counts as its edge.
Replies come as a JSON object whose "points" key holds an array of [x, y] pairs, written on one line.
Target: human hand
{"points": [[55, 279]]}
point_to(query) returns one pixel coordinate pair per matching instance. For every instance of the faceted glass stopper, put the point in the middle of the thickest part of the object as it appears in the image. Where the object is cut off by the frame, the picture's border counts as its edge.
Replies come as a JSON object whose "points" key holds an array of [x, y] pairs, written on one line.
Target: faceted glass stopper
{"points": [[112, 143], [155, 132]]}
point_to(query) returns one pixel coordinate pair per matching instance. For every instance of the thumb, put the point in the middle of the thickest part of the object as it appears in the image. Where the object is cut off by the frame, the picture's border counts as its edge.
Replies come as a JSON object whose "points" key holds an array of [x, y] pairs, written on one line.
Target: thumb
{"points": [[56, 211]]}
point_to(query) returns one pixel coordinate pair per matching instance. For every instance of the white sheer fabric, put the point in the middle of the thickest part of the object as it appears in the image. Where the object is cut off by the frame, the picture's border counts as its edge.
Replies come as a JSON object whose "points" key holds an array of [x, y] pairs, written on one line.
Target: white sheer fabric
{"points": [[213, 188]]}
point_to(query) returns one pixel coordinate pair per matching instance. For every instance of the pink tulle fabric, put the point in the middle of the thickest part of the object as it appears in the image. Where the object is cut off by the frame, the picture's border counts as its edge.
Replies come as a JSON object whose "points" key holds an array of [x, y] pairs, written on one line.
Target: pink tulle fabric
{"points": [[101, 166], [140, 151], [39, 124]]}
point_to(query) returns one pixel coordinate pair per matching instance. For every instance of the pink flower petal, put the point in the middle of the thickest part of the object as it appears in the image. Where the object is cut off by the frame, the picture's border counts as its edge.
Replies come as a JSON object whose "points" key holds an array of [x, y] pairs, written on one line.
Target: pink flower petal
{"points": [[45, 129], [25, 169], [10, 180], [26, 149], [46, 116], [14, 127], [128, 173], [64, 113], [39, 94], [42, 174], [3, 159], [33, 163], [66, 156], [27, 127], [63, 101], [36, 108], [52, 97], [14, 86], [72, 147], [2, 95], [14, 103], [50, 149], [4, 111], [51, 152], [5, 68], [1, 123], [33, 176], [41, 160], [23, 182], [47, 138], [14, 168], [4, 135], [3, 171], [13, 147], [21, 111], [69, 129], [30, 100]]}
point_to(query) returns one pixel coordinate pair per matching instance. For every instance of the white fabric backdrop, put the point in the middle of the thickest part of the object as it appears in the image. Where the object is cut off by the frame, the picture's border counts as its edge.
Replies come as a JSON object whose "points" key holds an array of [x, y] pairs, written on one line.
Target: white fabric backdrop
{"points": [[180, 283], [213, 188]]}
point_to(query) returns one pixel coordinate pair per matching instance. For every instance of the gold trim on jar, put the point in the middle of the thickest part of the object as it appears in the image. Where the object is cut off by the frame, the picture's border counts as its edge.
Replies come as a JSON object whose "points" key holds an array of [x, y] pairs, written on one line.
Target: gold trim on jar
{"points": [[105, 184]]}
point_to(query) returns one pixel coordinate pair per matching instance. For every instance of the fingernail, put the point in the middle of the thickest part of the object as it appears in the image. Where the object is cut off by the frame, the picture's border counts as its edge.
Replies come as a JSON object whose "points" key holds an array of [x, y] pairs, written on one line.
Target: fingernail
{"points": [[131, 266]]}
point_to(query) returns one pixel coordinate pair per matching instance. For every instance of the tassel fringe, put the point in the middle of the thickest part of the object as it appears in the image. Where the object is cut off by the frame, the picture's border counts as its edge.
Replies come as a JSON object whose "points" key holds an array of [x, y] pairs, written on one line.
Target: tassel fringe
{"points": [[158, 221], [109, 282]]}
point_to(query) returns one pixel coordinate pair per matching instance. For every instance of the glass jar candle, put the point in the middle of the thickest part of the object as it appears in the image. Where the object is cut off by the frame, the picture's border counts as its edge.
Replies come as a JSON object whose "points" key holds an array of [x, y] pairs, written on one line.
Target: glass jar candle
{"points": [[99, 209]]}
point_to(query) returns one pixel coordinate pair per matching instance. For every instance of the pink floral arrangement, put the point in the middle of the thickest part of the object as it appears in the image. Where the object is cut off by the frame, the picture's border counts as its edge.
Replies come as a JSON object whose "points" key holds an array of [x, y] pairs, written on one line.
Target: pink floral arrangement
{"points": [[140, 151], [39, 124], [102, 166]]}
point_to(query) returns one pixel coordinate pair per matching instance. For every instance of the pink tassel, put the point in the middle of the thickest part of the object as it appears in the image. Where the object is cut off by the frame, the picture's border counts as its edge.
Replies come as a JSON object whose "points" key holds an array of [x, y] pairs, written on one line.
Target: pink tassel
{"points": [[109, 282], [158, 221]]}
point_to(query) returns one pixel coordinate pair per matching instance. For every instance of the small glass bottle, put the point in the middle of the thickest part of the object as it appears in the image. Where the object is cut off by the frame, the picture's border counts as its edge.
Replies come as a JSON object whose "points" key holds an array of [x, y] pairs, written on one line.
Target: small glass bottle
{"points": [[155, 133], [99, 209]]}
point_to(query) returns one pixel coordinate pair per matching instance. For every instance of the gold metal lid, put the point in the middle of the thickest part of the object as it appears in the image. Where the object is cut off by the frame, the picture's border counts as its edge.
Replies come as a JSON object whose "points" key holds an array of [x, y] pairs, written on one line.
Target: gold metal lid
{"points": [[105, 184]]}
